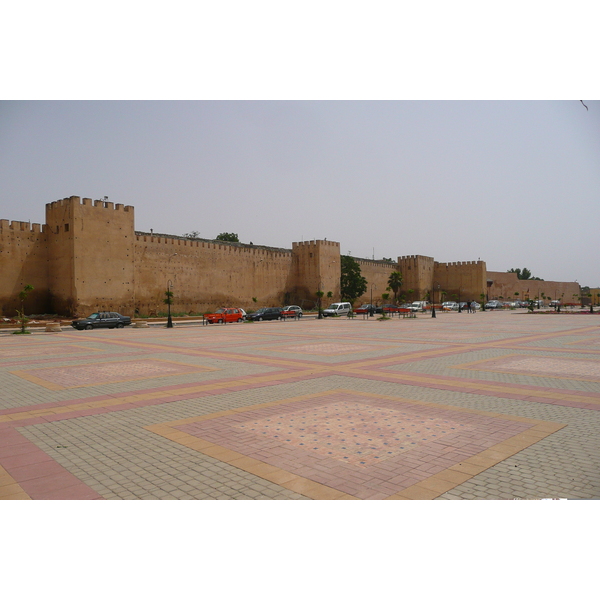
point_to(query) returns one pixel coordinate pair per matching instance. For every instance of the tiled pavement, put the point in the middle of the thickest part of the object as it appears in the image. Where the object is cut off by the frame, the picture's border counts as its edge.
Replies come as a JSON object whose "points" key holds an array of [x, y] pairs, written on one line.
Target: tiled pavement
{"points": [[496, 405]]}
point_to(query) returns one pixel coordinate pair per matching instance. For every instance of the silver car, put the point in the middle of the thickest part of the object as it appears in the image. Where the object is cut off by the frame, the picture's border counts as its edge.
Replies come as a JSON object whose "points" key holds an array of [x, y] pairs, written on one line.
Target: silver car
{"points": [[292, 311]]}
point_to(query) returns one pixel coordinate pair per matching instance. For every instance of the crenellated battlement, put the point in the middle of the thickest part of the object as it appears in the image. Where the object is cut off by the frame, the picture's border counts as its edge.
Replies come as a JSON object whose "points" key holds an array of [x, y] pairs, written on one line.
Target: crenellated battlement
{"points": [[378, 263], [463, 263], [26, 226], [229, 247], [315, 243], [68, 202], [414, 257]]}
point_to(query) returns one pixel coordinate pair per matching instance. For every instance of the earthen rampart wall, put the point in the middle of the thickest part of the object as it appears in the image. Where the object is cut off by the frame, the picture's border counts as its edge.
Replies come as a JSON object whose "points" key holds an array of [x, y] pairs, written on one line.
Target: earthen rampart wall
{"points": [[377, 273], [23, 261], [206, 274], [88, 257], [460, 281], [505, 285]]}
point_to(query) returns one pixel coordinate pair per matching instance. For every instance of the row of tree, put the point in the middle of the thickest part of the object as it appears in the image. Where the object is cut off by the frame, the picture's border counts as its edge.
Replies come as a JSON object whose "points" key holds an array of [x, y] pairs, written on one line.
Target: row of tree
{"points": [[222, 237], [524, 273]]}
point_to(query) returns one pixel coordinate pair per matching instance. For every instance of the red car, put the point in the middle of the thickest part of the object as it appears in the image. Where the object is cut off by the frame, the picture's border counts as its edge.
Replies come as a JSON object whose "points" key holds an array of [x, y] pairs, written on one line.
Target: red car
{"points": [[225, 315]]}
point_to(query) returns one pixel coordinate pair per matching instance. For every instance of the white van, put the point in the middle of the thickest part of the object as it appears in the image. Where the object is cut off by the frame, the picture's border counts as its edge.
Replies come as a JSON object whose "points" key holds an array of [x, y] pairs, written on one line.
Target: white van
{"points": [[337, 308], [422, 305]]}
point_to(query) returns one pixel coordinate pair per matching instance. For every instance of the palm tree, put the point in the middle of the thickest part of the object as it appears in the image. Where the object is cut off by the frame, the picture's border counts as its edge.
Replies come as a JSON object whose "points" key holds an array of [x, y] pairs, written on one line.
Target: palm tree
{"points": [[395, 283], [21, 313]]}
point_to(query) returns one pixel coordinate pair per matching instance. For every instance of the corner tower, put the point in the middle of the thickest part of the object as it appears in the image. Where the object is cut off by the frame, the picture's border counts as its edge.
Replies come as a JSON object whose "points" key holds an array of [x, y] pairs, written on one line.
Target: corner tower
{"points": [[90, 255]]}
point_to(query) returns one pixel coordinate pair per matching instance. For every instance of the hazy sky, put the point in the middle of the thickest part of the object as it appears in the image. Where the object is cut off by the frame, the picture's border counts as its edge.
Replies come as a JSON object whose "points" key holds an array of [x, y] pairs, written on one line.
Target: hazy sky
{"points": [[515, 183]]}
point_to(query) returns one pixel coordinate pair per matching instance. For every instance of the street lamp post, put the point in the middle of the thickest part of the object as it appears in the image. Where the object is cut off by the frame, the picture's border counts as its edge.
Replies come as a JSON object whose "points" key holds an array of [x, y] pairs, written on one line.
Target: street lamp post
{"points": [[371, 309], [433, 300], [169, 300]]}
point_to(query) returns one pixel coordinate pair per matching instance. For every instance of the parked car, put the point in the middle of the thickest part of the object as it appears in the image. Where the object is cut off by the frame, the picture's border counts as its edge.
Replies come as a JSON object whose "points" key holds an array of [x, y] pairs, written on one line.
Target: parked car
{"points": [[475, 306], [292, 311], [492, 304], [450, 306], [266, 314], [225, 315], [96, 320], [365, 308], [419, 305], [554, 303], [337, 308]]}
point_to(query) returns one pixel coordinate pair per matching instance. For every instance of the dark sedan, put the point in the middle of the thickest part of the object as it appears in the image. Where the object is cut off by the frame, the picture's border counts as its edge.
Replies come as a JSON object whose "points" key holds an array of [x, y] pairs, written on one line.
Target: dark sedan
{"points": [[265, 314], [365, 308], [108, 320]]}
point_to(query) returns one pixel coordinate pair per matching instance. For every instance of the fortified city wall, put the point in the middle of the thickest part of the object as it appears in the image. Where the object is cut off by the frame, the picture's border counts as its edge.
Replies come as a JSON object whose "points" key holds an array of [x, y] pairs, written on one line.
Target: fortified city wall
{"points": [[23, 261], [206, 274], [88, 257], [505, 285], [417, 272], [377, 273], [461, 281], [316, 267]]}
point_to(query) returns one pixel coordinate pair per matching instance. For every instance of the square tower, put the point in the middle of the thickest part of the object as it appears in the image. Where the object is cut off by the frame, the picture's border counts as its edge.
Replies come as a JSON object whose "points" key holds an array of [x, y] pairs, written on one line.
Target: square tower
{"points": [[90, 255]]}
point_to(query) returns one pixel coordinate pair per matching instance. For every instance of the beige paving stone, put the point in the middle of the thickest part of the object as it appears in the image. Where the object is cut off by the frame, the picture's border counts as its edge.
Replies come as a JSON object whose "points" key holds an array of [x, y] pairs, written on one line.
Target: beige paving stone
{"points": [[121, 453]]}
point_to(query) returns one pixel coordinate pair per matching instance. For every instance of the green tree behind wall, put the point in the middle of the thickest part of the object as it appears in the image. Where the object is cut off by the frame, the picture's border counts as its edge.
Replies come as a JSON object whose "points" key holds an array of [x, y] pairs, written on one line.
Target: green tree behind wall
{"points": [[228, 237], [352, 283], [524, 273]]}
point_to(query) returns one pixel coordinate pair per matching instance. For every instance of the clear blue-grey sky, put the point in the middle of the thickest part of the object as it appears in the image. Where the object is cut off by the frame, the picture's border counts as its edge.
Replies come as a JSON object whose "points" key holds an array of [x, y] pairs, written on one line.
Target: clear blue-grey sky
{"points": [[515, 183]]}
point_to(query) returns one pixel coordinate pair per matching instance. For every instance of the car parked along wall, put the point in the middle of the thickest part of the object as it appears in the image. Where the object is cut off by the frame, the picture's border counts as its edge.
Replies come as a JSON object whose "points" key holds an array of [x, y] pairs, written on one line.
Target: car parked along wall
{"points": [[98, 320], [225, 315], [266, 314]]}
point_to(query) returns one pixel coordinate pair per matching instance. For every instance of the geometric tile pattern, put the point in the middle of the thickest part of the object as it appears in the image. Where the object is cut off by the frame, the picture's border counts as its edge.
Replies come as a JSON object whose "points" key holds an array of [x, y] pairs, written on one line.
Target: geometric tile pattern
{"points": [[321, 409], [366, 446], [48, 350], [108, 372], [541, 366], [354, 432], [325, 349]]}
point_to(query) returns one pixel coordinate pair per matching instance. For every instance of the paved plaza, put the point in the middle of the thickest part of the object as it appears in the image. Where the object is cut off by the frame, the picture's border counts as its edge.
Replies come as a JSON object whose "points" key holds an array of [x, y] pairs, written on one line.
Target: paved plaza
{"points": [[492, 405]]}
